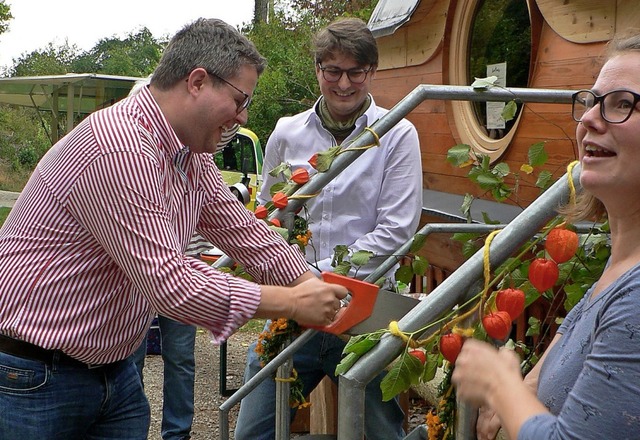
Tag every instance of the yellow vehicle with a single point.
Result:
(240, 163)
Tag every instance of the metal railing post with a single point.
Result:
(442, 299)
(319, 181)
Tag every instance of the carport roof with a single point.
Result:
(80, 93)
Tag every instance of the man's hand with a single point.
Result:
(316, 303)
(309, 301)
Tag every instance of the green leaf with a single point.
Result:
(537, 156)
(501, 192)
(361, 344)
(574, 293)
(405, 274)
(468, 249)
(417, 243)
(488, 220)
(419, 265)
(484, 83)
(342, 268)
(531, 294)
(501, 169)
(544, 179)
(339, 253)
(466, 206)
(459, 155)
(465, 236)
(360, 258)
(509, 110)
(487, 180)
(430, 367)
(404, 373)
(325, 158)
(275, 172)
(277, 187)
(534, 327)
(346, 363)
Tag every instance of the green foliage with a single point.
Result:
(50, 60)
(136, 55)
(288, 85)
(5, 16)
(23, 139)
(4, 212)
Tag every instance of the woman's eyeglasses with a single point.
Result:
(615, 106)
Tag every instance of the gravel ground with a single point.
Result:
(207, 386)
(8, 198)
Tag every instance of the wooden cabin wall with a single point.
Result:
(560, 64)
(557, 64)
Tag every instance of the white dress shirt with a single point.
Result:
(373, 205)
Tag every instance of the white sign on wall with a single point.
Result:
(494, 109)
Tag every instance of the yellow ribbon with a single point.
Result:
(375, 136)
(395, 331)
(294, 376)
(485, 259)
(572, 186)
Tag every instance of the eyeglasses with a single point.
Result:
(615, 106)
(245, 102)
(333, 74)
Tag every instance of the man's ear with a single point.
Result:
(196, 80)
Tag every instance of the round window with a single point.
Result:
(491, 38)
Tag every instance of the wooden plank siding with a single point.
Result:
(560, 64)
(566, 54)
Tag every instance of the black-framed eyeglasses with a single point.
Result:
(333, 74)
(245, 102)
(615, 106)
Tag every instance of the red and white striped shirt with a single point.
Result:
(95, 243)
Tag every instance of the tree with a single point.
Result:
(289, 85)
(136, 55)
(51, 60)
(5, 16)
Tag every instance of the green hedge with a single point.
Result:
(4, 212)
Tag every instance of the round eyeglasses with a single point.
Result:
(333, 74)
(615, 106)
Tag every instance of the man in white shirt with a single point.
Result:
(374, 205)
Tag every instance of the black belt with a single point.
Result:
(30, 351)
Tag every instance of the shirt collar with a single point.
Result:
(166, 135)
(370, 114)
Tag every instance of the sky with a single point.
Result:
(36, 23)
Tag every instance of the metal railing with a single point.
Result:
(449, 293)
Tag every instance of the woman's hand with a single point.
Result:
(485, 376)
(481, 369)
(488, 424)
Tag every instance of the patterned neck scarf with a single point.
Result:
(340, 130)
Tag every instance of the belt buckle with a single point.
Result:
(94, 366)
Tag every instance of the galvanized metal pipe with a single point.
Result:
(380, 128)
(443, 298)
(421, 93)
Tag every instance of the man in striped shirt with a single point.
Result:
(95, 245)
